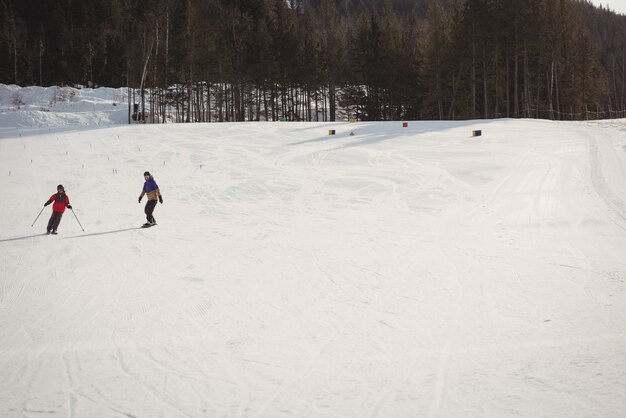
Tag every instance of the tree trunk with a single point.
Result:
(331, 98)
(143, 79)
(41, 49)
(15, 58)
(507, 85)
(473, 74)
(516, 75)
(485, 92)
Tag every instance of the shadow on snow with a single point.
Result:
(75, 236)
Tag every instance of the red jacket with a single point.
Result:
(61, 201)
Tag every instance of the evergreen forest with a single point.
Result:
(325, 60)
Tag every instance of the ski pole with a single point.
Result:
(38, 216)
(81, 227)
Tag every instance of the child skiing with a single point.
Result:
(152, 190)
(61, 201)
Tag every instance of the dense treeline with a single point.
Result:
(205, 60)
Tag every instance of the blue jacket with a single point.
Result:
(151, 189)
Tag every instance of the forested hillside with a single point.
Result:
(305, 59)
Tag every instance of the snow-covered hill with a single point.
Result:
(396, 272)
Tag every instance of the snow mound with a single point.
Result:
(61, 106)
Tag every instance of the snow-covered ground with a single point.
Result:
(399, 272)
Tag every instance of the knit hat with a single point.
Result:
(60, 186)
(147, 173)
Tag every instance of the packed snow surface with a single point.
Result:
(396, 272)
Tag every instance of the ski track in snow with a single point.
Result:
(397, 272)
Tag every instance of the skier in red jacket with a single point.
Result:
(61, 201)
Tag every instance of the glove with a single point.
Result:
(47, 203)
(160, 199)
(140, 199)
(69, 206)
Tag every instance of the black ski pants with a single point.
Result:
(54, 221)
(150, 205)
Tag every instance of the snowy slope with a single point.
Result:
(399, 272)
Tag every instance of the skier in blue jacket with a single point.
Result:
(151, 189)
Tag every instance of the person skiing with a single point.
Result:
(61, 201)
(151, 189)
